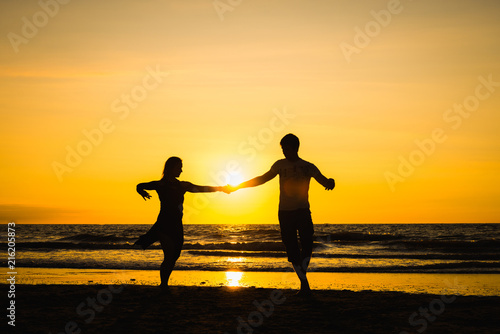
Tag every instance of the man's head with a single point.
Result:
(290, 146)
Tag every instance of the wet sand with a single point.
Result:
(458, 284)
(145, 309)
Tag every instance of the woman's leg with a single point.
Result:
(171, 247)
(149, 238)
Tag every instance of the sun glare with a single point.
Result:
(234, 179)
(233, 278)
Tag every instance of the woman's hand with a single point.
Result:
(144, 194)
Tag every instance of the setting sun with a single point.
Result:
(235, 179)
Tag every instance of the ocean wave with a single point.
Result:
(349, 237)
(237, 253)
(241, 246)
(267, 233)
(417, 248)
(95, 238)
(448, 245)
(72, 245)
(461, 257)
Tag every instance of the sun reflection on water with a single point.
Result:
(233, 278)
(235, 259)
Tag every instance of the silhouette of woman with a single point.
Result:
(168, 227)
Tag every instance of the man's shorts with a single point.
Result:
(290, 222)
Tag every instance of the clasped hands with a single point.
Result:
(228, 188)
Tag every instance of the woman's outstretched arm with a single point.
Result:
(193, 188)
(142, 187)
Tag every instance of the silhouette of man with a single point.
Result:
(294, 214)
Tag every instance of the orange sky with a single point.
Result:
(398, 101)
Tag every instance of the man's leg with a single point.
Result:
(306, 232)
(288, 224)
(302, 275)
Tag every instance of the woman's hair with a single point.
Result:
(170, 163)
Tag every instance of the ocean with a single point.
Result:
(347, 248)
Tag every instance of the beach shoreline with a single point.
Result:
(457, 284)
(188, 309)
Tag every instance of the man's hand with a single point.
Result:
(330, 184)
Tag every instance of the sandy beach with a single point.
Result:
(144, 309)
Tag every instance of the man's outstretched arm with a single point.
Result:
(329, 184)
(257, 181)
